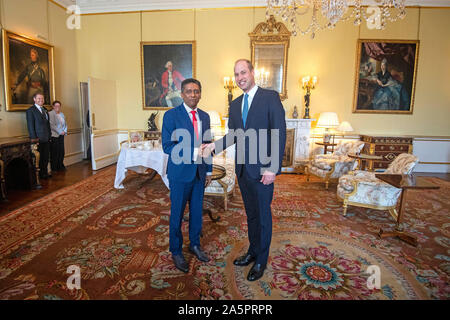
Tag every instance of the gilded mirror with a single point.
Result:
(269, 44)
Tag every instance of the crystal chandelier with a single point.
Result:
(334, 11)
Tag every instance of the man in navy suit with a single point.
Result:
(39, 130)
(258, 128)
(184, 129)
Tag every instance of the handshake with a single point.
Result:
(206, 149)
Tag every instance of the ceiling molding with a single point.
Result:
(108, 6)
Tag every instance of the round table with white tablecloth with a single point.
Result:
(140, 156)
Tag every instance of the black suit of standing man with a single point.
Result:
(259, 117)
(39, 130)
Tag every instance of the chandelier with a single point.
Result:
(334, 11)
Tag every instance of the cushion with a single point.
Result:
(229, 179)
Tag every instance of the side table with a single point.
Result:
(404, 182)
(325, 146)
(363, 158)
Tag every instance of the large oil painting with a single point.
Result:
(385, 76)
(164, 66)
(28, 69)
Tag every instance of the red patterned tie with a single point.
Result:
(194, 122)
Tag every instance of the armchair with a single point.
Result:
(333, 166)
(363, 189)
(223, 187)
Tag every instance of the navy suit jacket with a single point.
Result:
(183, 145)
(38, 124)
(266, 113)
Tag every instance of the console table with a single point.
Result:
(20, 153)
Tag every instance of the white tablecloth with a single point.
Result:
(140, 160)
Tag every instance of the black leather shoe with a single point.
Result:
(256, 272)
(180, 263)
(199, 253)
(244, 260)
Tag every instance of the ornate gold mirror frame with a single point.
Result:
(269, 44)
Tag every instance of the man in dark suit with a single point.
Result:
(39, 130)
(184, 129)
(258, 128)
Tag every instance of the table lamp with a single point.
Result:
(328, 120)
(215, 122)
(344, 127)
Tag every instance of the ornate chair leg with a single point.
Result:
(393, 213)
(326, 184)
(345, 206)
(307, 173)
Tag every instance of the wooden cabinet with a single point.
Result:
(17, 165)
(387, 147)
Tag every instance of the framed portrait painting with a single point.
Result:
(28, 69)
(164, 65)
(385, 76)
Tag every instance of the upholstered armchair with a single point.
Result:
(363, 189)
(335, 165)
(223, 187)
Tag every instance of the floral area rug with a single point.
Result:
(119, 241)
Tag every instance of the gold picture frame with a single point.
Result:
(28, 67)
(269, 44)
(385, 76)
(160, 91)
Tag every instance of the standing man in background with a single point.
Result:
(184, 129)
(39, 130)
(258, 128)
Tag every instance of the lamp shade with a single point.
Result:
(215, 118)
(328, 120)
(345, 126)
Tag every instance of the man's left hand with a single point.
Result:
(207, 181)
(268, 177)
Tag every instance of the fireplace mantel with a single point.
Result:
(301, 143)
(300, 148)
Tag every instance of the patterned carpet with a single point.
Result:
(119, 239)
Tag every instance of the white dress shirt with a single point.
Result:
(199, 127)
(251, 95)
(40, 110)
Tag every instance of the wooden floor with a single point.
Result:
(78, 172)
(61, 179)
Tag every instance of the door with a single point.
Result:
(103, 120)
(84, 93)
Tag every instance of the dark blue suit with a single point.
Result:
(266, 113)
(186, 178)
(39, 128)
